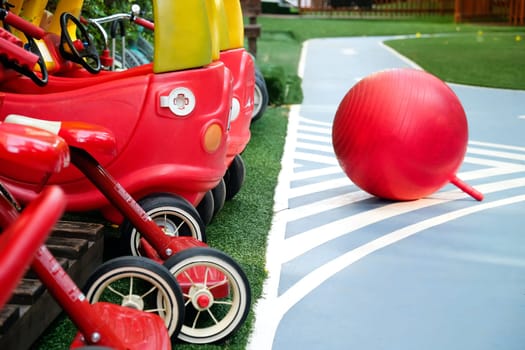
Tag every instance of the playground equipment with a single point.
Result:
(102, 324)
(170, 118)
(401, 134)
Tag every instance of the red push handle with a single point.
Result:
(24, 26)
(20, 241)
(17, 54)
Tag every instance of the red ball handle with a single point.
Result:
(471, 191)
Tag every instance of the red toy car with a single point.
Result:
(226, 23)
(170, 118)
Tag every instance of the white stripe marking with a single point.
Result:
(271, 307)
(498, 154)
(497, 145)
(318, 172)
(299, 244)
(304, 211)
(320, 130)
(330, 160)
(315, 147)
(319, 187)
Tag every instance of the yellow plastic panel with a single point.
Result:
(213, 18)
(33, 10)
(182, 35)
(235, 23)
(72, 6)
(17, 6)
(222, 23)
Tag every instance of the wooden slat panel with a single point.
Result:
(21, 325)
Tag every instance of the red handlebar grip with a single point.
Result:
(144, 23)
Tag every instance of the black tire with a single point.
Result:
(261, 97)
(139, 283)
(219, 197)
(174, 214)
(206, 208)
(215, 318)
(234, 177)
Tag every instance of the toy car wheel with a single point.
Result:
(206, 208)
(139, 283)
(174, 214)
(260, 96)
(234, 177)
(219, 197)
(216, 291)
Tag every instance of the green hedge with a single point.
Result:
(283, 88)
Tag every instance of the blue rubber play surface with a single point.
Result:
(351, 271)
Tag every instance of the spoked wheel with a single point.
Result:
(139, 283)
(234, 177)
(217, 294)
(173, 214)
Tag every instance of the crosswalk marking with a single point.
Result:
(310, 156)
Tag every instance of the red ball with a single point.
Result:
(400, 134)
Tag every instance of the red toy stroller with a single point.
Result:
(103, 324)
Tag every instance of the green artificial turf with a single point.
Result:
(484, 59)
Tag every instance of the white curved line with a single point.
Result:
(302, 60)
(272, 308)
(497, 145)
(308, 283)
(299, 244)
